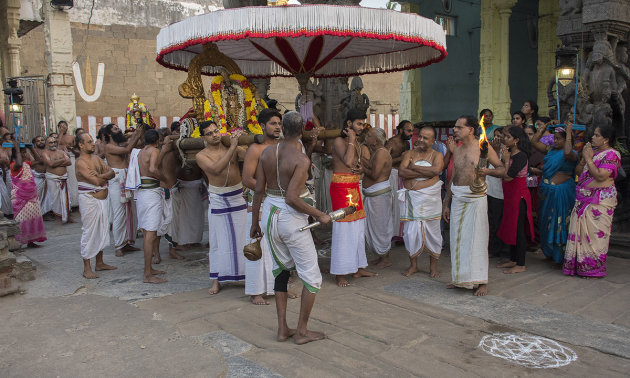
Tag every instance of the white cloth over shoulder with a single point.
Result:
(469, 238)
(421, 212)
(94, 221)
(58, 194)
(259, 278)
(227, 217)
(377, 202)
(188, 212)
(397, 225)
(73, 194)
(133, 173)
(291, 248)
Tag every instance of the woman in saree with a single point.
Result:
(556, 192)
(25, 202)
(596, 199)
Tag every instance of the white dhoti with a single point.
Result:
(421, 212)
(58, 195)
(291, 249)
(120, 209)
(188, 212)
(377, 200)
(149, 205)
(40, 181)
(73, 194)
(227, 217)
(469, 237)
(5, 192)
(347, 249)
(94, 221)
(259, 278)
(167, 215)
(396, 183)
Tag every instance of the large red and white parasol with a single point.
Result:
(307, 40)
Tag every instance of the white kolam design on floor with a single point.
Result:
(527, 350)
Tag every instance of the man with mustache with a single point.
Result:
(66, 144)
(397, 145)
(117, 149)
(57, 180)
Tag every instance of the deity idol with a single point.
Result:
(233, 104)
(136, 108)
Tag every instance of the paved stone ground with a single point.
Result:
(64, 325)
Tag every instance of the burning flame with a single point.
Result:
(483, 137)
(350, 202)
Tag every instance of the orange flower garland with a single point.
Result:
(250, 104)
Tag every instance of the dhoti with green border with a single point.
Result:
(290, 248)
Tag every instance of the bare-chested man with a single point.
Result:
(348, 235)
(57, 189)
(116, 149)
(39, 170)
(169, 167)
(149, 202)
(468, 214)
(258, 274)
(92, 176)
(66, 143)
(378, 197)
(227, 210)
(282, 173)
(397, 145)
(421, 201)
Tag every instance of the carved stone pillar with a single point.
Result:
(494, 89)
(411, 86)
(58, 45)
(547, 42)
(10, 43)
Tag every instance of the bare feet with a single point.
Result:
(363, 273)
(156, 258)
(291, 295)
(258, 300)
(481, 290)
(172, 254)
(508, 264)
(433, 267)
(308, 336)
(155, 271)
(515, 269)
(154, 280)
(411, 270)
(341, 281)
(130, 248)
(381, 262)
(70, 220)
(284, 334)
(215, 288)
(103, 266)
(89, 275)
(32, 245)
(451, 286)
(119, 253)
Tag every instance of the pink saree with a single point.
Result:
(591, 221)
(26, 210)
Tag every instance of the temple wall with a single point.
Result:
(120, 38)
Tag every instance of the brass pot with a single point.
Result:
(252, 251)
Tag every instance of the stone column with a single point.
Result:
(10, 43)
(58, 45)
(548, 12)
(494, 89)
(411, 86)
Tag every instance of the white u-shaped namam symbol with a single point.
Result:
(76, 70)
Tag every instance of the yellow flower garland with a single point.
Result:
(250, 104)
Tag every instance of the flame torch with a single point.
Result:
(478, 185)
(337, 214)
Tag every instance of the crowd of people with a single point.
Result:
(404, 189)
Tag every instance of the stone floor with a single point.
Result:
(64, 325)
